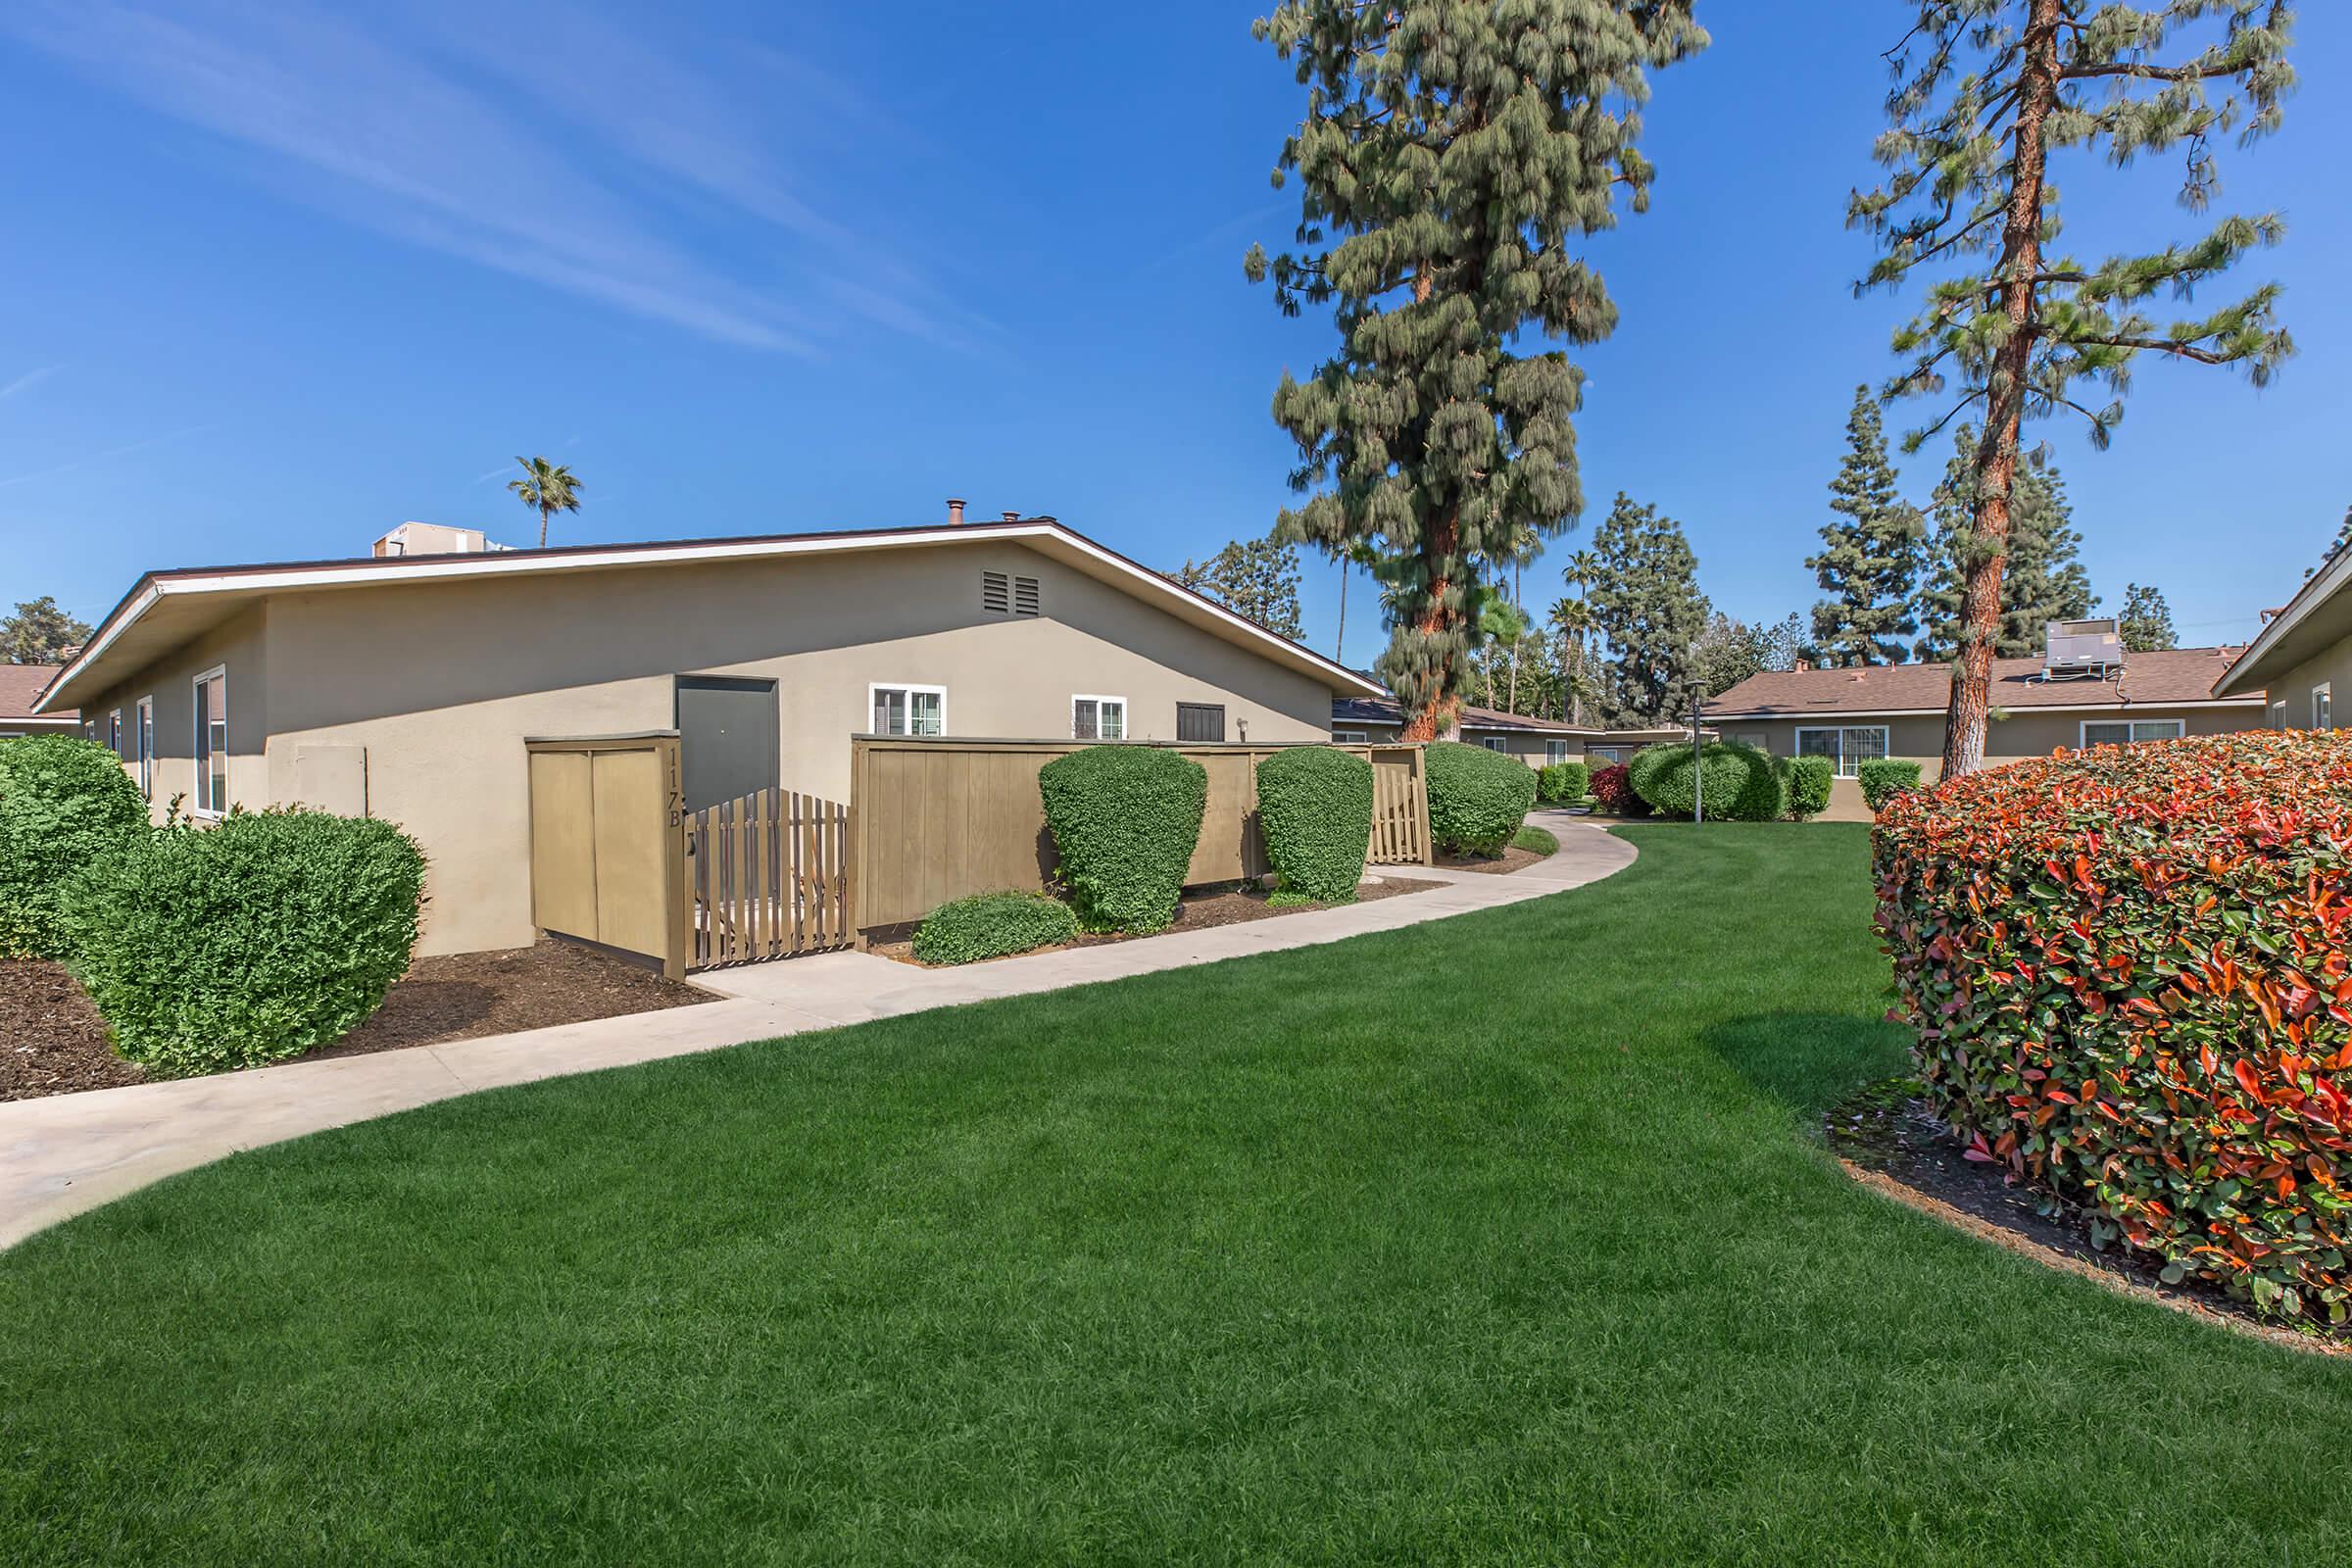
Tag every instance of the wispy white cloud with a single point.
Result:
(30, 378)
(123, 451)
(560, 161)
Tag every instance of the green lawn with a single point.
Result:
(1500, 1240)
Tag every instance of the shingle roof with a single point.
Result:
(1385, 710)
(2166, 679)
(21, 685)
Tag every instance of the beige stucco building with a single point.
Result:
(2303, 652)
(405, 687)
(1852, 714)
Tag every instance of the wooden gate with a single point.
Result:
(1400, 806)
(766, 877)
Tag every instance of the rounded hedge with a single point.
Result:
(2128, 974)
(1886, 777)
(1613, 791)
(64, 803)
(1125, 819)
(1563, 782)
(1476, 798)
(1736, 783)
(1809, 780)
(993, 925)
(1314, 812)
(246, 942)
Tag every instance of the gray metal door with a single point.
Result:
(727, 738)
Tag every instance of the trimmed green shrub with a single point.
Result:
(1736, 783)
(246, 942)
(1613, 790)
(1125, 819)
(1886, 777)
(1476, 798)
(993, 925)
(1563, 783)
(1809, 779)
(1315, 810)
(2126, 969)
(64, 803)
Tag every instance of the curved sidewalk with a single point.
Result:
(69, 1153)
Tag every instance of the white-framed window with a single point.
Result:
(908, 709)
(1849, 746)
(211, 742)
(1554, 753)
(114, 734)
(2278, 714)
(2323, 706)
(1492, 742)
(1604, 756)
(1098, 718)
(2128, 731)
(144, 742)
(1350, 737)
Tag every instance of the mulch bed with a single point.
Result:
(1512, 859)
(1889, 1139)
(52, 1041)
(1198, 912)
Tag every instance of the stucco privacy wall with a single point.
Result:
(443, 681)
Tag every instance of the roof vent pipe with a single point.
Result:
(1012, 517)
(955, 511)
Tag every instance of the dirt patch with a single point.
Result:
(1889, 1139)
(1198, 912)
(55, 1043)
(1512, 859)
(52, 1041)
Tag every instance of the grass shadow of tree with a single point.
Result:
(1808, 1062)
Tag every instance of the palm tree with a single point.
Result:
(1573, 620)
(547, 488)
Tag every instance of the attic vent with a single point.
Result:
(995, 592)
(1024, 596)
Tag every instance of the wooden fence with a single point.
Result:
(939, 819)
(605, 846)
(767, 876)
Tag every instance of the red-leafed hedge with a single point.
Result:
(1613, 791)
(2128, 972)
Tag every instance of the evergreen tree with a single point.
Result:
(1649, 610)
(39, 633)
(1452, 158)
(2045, 580)
(1984, 91)
(1256, 579)
(1727, 652)
(1871, 555)
(2146, 621)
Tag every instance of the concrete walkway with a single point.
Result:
(69, 1153)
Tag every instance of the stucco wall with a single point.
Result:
(241, 646)
(2333, 667)
(441, 683)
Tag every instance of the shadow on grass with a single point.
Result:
(1809, 1061)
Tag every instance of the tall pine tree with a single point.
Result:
(1985, 91)
(2045, 580)
(2147, 621)
(1648, 608)
(1871, 555)
(1452, 158)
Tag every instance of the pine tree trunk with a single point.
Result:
(1339, 646)
(2005, 401)
(1443, 716)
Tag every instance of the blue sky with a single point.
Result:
(281, 275)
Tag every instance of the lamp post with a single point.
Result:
(1698, 794)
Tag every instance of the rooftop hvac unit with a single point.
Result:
(2076, 650)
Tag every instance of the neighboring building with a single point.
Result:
(404, 686)
(2038, 705)
(433, 539)
(2303, 654)
(1536, 741)
(20, 688)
